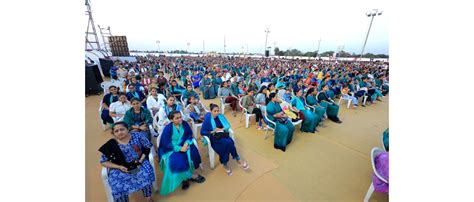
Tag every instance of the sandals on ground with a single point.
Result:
(228, 171)
(198, 179)
(245, 166)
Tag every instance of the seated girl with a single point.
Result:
(133, 93)
(139, 87)
(196, 78)
(240, 90)
(189, 93)
(262, 98)
(155, 101)
(230, 97)
(126, 156)
(310, 119)
(313, 102)
(287, 96)
(176, 90)
(345, 94)
(216, 127)
(332, 109)
(196, 109)
(248, 103)
(178, 156)
(207, 89)
(164, 112)
(284, 128)
(138, 119)
(118, 109)
(106, 102)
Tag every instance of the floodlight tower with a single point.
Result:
(372, 13)
(266, 38)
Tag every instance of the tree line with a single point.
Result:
(296, 52)
(293, 52)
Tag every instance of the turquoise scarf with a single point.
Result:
(223, 121)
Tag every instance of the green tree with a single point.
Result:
(276, 50)
(327, 53)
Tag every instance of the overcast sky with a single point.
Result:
(293, 24)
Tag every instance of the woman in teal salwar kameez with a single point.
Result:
(208, 91)
(217, 82)
(284, 128)
(311, 119)
(313, 102)
(179, 157)
(184, 74)
(332, 108)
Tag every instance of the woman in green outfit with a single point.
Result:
(332, 107)
(311, 119)
(313, 103)
(284, 128)
(217, 81)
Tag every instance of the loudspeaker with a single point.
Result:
(267, 53)
(93, 80)
(106, 64)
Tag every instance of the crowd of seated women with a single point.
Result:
(279, 93)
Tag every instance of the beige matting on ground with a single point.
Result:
(332, 165)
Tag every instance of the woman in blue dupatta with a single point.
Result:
(311, 119)
(216, 127)
(331, 106)
(207, 89)
(179, 157)
(284, 128)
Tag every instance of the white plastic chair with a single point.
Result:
(383, 144)
(116, 83)
(365, 96)
(268, 125)
(345, 97)
(105, 85)
(183, 102)
(211, 151)
(300, 122)
(108, 189)
(247, 115)
(374, 153)
(223, 104)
